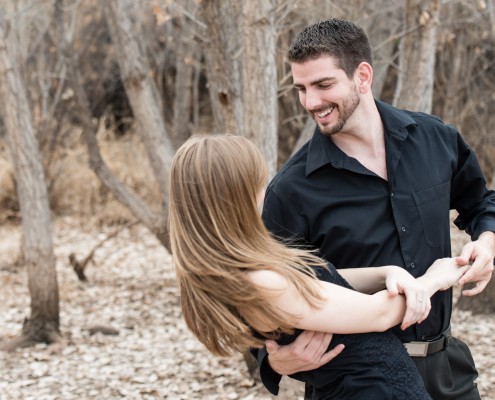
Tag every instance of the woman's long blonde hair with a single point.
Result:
(217, 235)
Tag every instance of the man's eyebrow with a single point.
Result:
(317, 82)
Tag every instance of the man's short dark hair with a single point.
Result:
(341, 39)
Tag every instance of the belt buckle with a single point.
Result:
(417, 349)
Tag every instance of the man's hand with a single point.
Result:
(307, 352)
(481, 252)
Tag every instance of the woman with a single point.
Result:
(239, 286)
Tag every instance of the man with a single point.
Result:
(374, 186)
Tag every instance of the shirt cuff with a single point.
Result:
(488, 226)
(269, 377)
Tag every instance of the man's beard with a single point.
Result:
(345, 112)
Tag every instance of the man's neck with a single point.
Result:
(364, 133)
(363, 139)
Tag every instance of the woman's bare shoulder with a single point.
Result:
(268, 280)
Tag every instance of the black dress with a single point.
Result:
(372, 365)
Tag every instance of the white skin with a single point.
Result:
(345, 110)
(346, 311)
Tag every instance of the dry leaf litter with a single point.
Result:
(124, 335)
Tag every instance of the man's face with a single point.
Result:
(326, 93)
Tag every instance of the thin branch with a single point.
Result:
(80, 266)
(188, 14)
(396, 36)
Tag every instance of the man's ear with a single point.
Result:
(364, 77)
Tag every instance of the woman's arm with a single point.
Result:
(371, 279)
(397, 281)
(348, 311)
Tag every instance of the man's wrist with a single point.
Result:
(488, 237)
(269, 365)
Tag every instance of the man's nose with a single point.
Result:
(312, 100)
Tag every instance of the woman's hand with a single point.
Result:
(418, 305)
(444, 273)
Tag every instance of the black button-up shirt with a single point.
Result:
(325, 199)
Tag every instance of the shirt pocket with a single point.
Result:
(433, 206)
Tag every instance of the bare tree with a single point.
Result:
(141, 90)
(222, 57)
(259, 78)
(43, 323)
(30, 34)
(152, 127)
(414, 89)
(188, 59)
(383, 38)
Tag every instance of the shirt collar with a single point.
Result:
(323, 151)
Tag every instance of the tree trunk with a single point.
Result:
(242, 77)
(142, 93)
(455, 85)
(141, 210)
(242, 71)
(456, 63)
(259, 78)
(222, 53)
(43, 324)
(187, 61)
(383, 38)
(414, 90)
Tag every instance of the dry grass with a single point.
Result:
(75, 189)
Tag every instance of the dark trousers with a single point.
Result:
(447, 375)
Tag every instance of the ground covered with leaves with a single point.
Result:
(124, 335)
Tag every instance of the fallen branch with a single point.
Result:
(80, 266)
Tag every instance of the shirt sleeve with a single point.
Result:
(281, 218)
(269, 378)
(469, 193)
(284, 223)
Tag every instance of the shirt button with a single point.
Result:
(413, 265)
(403, 228)
(392, 194)
(423, 337)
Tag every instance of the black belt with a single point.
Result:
(422, 349)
